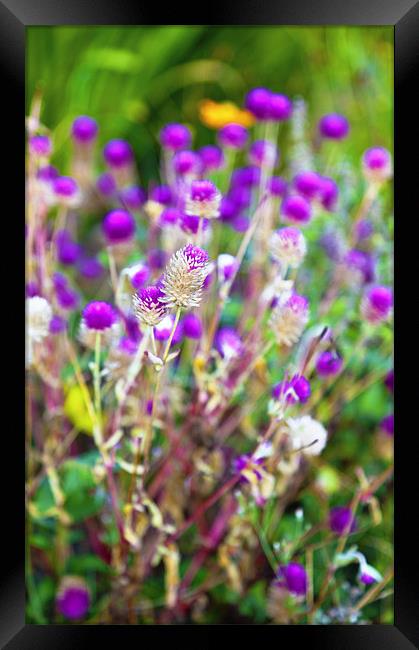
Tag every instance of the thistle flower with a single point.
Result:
(341, 519)
(334, 126)
(148, 305)
(84, 129)
(307, 434)
(203, 199)
(175, 137)
(376, 304)
(184, 276)
(289, 318)
(293, 577)
(38, 318)
(376, 164)
(73, 598)
(288, 246)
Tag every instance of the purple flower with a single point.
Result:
(258, 102)
(156, 259)
(246, 176)
(118, 226)
(140, 275)
(228, 343)
(277, 186)
(90, 268)
(297, 389)
(84, 129)
(40, 145)
(196, 257)
(161, 194)
(334, 126)
(47, 173)
(169, 217)
(367, 579)
(293, 577)
(32, 289)
(363, 229)
(227, 265)
(362, 262)
(240, 223)
(341, 519)
(190, 223)
(67, 297)
(106, 184)
(263, 153)
(186, 162)
(241, 196)
(133, 198)
(233, 136)
(228, 209)
(280, 107)
(212, 158)
(328, 193)
(389, 381)
(202, 190)
(65, 187)
(118, 153)
(332, 244)
(99, 315)
(296, 209)
(376, 164)
(68, 251)
(73, 598)
(387, 424)
(192, 326)
(57, 324)
(377, 303)
(308, 184)
(328, 364)
(175, 137)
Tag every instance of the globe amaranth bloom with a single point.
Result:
(57, 324)
(377, 165)
(289, 318)
(184, 277)
(192, 326)
(263, 153)
(328, 193)
(296, 390)
(246, 176)
(203, 199)
(288, 246)
(98, 316)
(342, 520)
(308, 184)
(175, 137)
(40, 146)
(334, 126)
(328, 364)
(293, 577)
(118, 153)
(138, 274)
(280, 107)
(362, 263)
(118, 226)
(66, 190)
(133, 197)
(73, 598)
(90, 267)
(307, 435)
(148, 305)
(229, 343)
(226, 265)
(38, 317)
(84, 129)
(186, 162)
(212, 158)
(106, 184)
(376, 304)
(296, 209)
(68, 251)
(163, 329)
(277, 186)
(233, 136)
(258, 102)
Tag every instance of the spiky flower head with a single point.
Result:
(148, 305)
(184, 277)
(289, 318)
(307, 434)
(288, 246)
(203, 199)
(38, 314)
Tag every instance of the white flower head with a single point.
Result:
(307, 434)
(288, 246)
(184, 277)
(38, 315)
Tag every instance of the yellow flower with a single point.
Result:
(215, 115)
(76, 411)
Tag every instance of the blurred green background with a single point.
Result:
(134, 79)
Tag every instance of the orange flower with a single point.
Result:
(215, 115)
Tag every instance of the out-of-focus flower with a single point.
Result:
(307, 434)
(233, 136)
(389, 380)
(296, 390)
(133, 197)
(226, 265)
(328, 364)
(215, 115)
(334, 126)
(277, 186)
(212, 158)
(175, 137)
(263, 153)
(190, 223)
(288, 246)
(362, 263)
(293, 577)
(289, 318)
(258, 102)
(377, 165)
(280, 107)
(118, 226)
(57, 324)
(184, 276)
(73, 598)
(328, 193)
(84, 129)
(296, 209)
(118, 153)
(387, 425)
(68, 251)
(341, 520)
(138, 274)
(192, 326)
(148, 305)
(228, 343)
(308, 184)
(186, 162)
(203, 199)
(90, 267)
(40, 146)
(106, 184)
(38, 318)
(376, 304)
(66, 190)
(98, 316)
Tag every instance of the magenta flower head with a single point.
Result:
(363, 229)
(133, 198)
(342, 520)
(377, 165)
(387, 425)
(99, 316)
(106, 184)
(212, 158)
(57, 324)
(240, 223)
(328, 193)
(73, 598)
(296, 209)
(65, 189)
(175, 137)
(40, 146)
(90, 268)
(118, 226)
(47, 173)
(277, 186)
(389, 381)
(361, 262)
(68, 251)
(334, 126)
(148, 305)
(233, 136)
(376, 304)
(263, 153)
(186, 162)
(192, 326)
(280, 107)
(203, 199)
(246, 177)
(139, 275)
(190, 223)
(258, 101)
(84, 129)
(228, 343)
(308, 184)
(328, 364)
(169, 217)
(118, 153)
(293, 577)
(162, 194)
(227, 265)
(296, 390)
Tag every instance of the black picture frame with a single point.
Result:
(15, 16)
